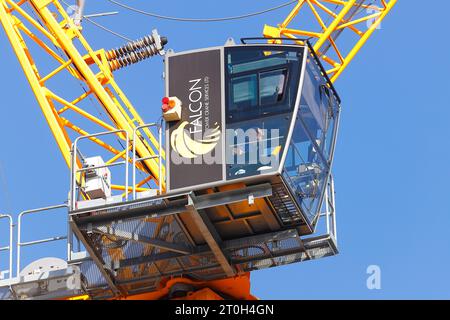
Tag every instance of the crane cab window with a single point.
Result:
(261, 82)
(272, 87)
(309, 155)
(264, 89)
(244, 92)
(261, 89)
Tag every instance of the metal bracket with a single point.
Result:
(130, 236)
(210, 235)
(98, 261)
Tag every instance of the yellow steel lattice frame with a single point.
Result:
(359, 17)
(46, 24)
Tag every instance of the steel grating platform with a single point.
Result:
(208, 235)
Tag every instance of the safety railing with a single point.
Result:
(9, 248)
(75, 186)
(21, 244)
(158, 156)
(328, 209)
(331, 208)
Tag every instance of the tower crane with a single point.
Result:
(181, 208)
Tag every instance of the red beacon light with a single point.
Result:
(165, 104)
(171, 107)
(165, 100)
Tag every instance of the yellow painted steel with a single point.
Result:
(51, 26)
(325, 36)
(12, 31)
(83, 297)
(46, 24)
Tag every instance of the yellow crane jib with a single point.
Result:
(359, 18)
(58, 36)
(244, 179)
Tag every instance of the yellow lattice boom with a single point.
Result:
(44, 24)
(337, 29)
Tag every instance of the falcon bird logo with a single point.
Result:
(189, 148)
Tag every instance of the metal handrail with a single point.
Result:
(74, 170)
(333, 207)
(159, 156)
(329, 212)
(9, 248)
(20, 244)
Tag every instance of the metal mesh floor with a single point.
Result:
(136, 245)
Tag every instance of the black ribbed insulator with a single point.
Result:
(133, 52)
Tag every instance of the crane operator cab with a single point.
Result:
(249, 137)
(253, 113)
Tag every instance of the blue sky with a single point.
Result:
(391, 165)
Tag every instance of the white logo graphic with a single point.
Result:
(189, 148)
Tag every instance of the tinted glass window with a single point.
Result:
(244, 91)
(261, 82)
(318, 107)
(262, 86)
(272, 87)
(307, 165)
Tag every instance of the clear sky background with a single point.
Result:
(391, 167)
